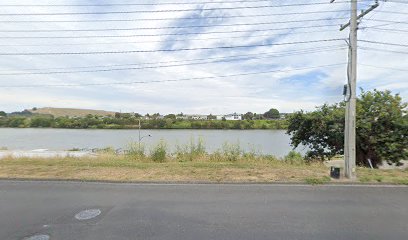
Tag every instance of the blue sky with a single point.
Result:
(287, 89)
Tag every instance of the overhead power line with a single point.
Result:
(390, 68)
(392, 12)
(280, 53)
(159, 41)
(171, 27)
(168, 34)
(170, 18)
(386, 21)
(396, 1)
(382, 50)
(389, 29)
(384, 43)
(168, 80)
(166, 10)
(173, 63)
(148, 4)
(166, 50)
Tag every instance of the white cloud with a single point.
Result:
(287, 91)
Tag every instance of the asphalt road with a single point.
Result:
(137, 211)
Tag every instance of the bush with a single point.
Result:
(159, 152)
(294, 157)
(381, 128)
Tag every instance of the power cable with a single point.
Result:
(157, 41)
(170, 27)
(170, 18)
(166, 34)
(383, 43)
(166, 50)
(166, 66)
(166, 10)
(169, 80)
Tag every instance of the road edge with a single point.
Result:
(282, 183)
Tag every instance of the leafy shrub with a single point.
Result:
(159, 152)
(381, 129)
(294, 157)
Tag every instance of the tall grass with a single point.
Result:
(136, 150)
(159, 152)
(195, 150)
(294, 158)
(232, 152)
(190, 151)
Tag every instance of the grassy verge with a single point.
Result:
(209, 167)
(206, 167)
(393, 176)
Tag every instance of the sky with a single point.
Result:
(198, 56)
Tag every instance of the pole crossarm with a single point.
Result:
(362, 14)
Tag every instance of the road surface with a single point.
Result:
(54, 210)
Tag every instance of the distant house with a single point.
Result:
(219, 117)
(232, 117)
(199, 117)
(283, 115)
(182, 117)
(192, 117)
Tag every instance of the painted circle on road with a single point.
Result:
(87, 214)
(38, 237)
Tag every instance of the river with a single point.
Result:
(275, 142)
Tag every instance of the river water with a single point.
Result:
(275, 142)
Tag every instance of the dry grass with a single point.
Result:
(394, 176)
(116, 168)
(71, 112)
(204, 168)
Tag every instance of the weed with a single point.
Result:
(294, 158)
(191, 151)
(107, 150)
(159, 152)
(232, 152)
(135, 151)
(317, 181)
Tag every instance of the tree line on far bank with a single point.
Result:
(126, 121)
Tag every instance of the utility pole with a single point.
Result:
(350, 116)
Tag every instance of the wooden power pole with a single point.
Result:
(350, 118)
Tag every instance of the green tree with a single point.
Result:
(211, 117)
(3, 114)
(170, 116)
(273, 113)
(248, 116)
(382, 129)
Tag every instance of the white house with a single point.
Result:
(232, 116)
(192, 117)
